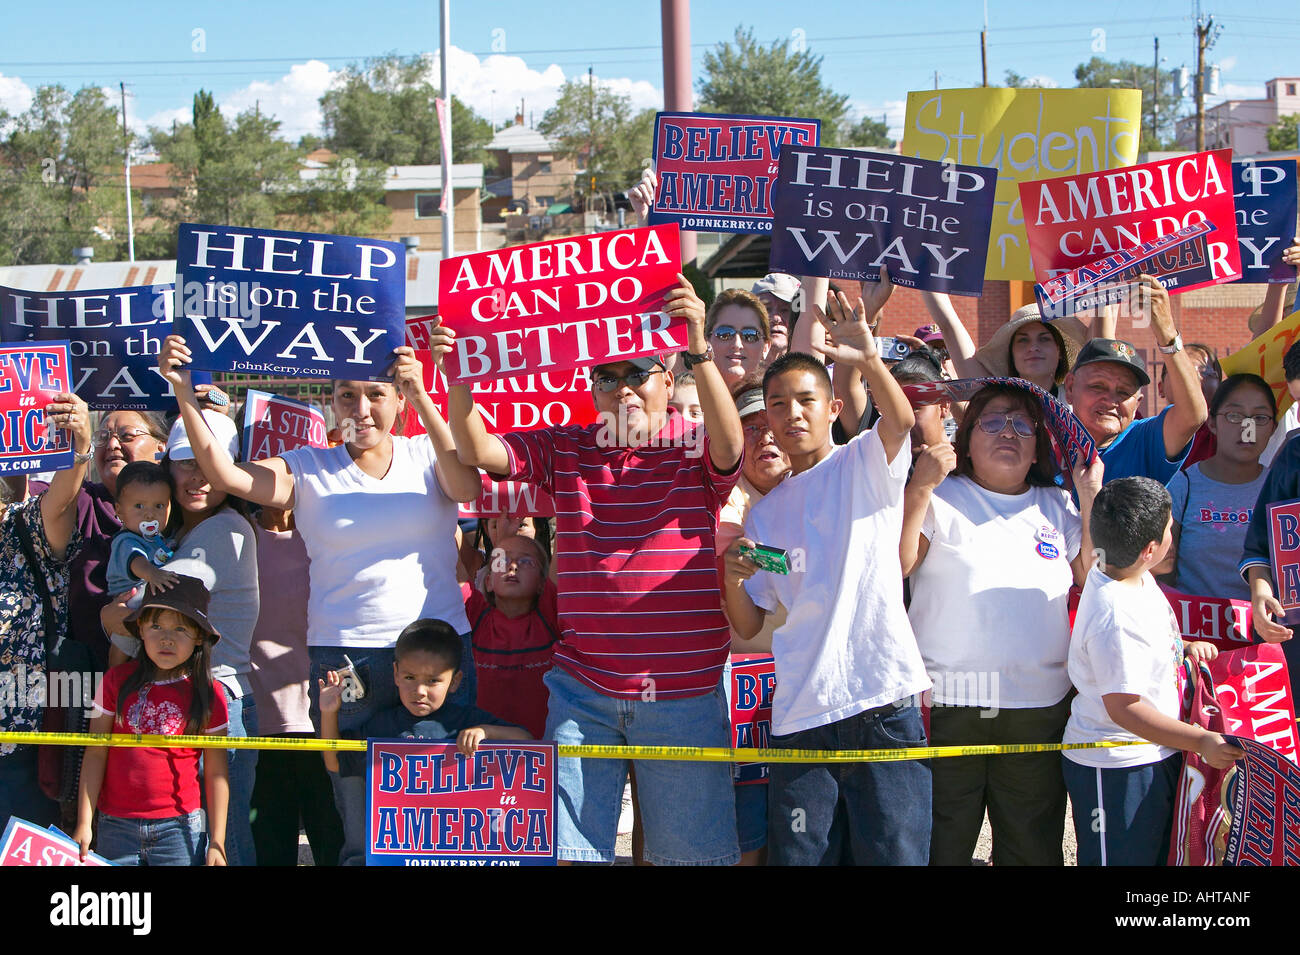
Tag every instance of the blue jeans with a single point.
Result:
(375, 670)
(243, 772)
(852, 813)
(20, 790)
(688, 810)
(178, 840)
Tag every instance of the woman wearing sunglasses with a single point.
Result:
(1213, 499)
(739, 334)
(992, 551)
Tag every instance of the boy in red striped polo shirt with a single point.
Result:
(643, 638)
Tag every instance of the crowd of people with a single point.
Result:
(930, 551)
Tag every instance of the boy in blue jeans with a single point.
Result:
(848, 670)
(1125, 651)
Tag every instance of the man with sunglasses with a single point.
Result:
(1104, 389)
(643, 639)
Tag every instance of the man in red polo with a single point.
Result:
(643, 638)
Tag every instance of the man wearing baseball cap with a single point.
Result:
(776, 291)
(1105, 386)
(643, 639)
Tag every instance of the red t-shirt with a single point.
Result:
(634, 544)
(1204, 447)
(511, 656)
(148, 783)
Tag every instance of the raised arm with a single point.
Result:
(850, 389)
(808, 333)
(726, 437)
(854, 343)
(1184, 385)
(933, 464)
(642, 195)
(1274, 307)
(59, 502)
(961, 348)
(1087, 481)
(458, 481)
(268, 482)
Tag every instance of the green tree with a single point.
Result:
(748, 77)
(1283, 135)
(599, 130)
(384, 111)
(60, 178)
(1015, 81)
(1125, 74)
(868, 132)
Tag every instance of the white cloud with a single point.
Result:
(892, 111)
(1042, 81)
(293, 99)
(1241, 91)
(15, 95)
(1227, 63)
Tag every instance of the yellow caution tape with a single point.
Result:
(692, 754)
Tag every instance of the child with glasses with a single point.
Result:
(1213, 499)
(514, 629)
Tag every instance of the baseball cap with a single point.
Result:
(1108, 349)
(928, 333)
(222, 428)
(750, 401)
(647, 363)
(782, 286)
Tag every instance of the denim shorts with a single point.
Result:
(751, 816)
(177, 840)
(688, 810)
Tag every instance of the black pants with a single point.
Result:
(1023, 793)
(292, 790)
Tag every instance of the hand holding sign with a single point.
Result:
(173, 356)
(682, 302)
(69, 413)
(1266, 610)
(642, 195)
(442, 342)
(1153, 302)
(1088, 478)
(408, 374)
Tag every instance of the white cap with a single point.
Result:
(779, 284)
(222, 428)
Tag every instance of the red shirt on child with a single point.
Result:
(144, 782)
(511, 656)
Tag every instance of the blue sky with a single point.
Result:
(284, 55)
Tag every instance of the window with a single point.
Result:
(546, 201)
(544, 167)
(426, 204)
(1290, 89)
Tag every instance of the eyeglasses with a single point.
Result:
(1236, 417)
(125, 436)
(755, 430)
(633, 379)
(725, 333)
(996, 423)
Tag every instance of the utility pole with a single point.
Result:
(1206, 32)
(591, 139)
(1155, 93)
(130, 222)
(984, 55)
(675, 30)
(448, 188)
(936, 79)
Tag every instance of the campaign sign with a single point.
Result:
(1219, 620)
(30, 376)
(717, 173)
(1265, 801)
(1284, 545)
(113, 336)
(753, 681)
(1177, 259)
(1024, 134)
(509, 499)
(1071, 443)
(561, 304)
(1265, 197)
(1253, 689)
(25, 843)
(1264, 357)
(1076, 220)
(417, 331)
(843, 214)
(427, 804)
(274, 424)
(264, 302)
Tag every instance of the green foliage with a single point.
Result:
(598, 129)
(748, 77)
(1099, 73)
(1284, 135)
(385, 111)
(60, 177)
(868, 132)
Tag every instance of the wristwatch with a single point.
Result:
(1174, 346)
(691, 359)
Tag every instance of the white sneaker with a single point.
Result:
(625, 815)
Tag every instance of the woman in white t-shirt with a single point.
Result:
(992, 552)
(378, 516)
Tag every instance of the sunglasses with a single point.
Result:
(996, 423)
(633, 379)
(725, 333)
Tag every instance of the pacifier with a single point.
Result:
(149, 528)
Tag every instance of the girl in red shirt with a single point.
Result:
(514, 631)
(150, 811)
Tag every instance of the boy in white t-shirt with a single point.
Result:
(1125, 651)
(848, 670)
